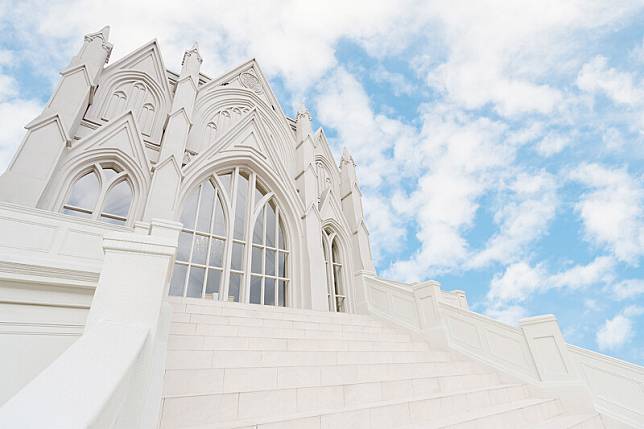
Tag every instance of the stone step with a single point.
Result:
(326, 409)
(220, 380)
(189, 359)
(577, 421)
(197, 342)
(255, 311)
(275, 321)
(235, 380)
(182, 328)
(517, 413)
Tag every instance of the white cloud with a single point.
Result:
(510, 315)
(504, 58)
(613, 210)
(398, 83)
(14, 115)
(459, 158)
(552, 144)
(6, 57)
(597, 77)
(614, 333)
(523, 217)
(344, 106)
(521, 280)
(386, 231)
(628, 288)
(618, 331)
(600, 270)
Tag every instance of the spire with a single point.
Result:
(303, 124)
(191, 62)
(346, 157)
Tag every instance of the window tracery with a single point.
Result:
(103, 192)
(335, 271)
(233, 243)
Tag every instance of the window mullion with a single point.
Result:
(229, 233)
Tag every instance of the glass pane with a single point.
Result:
(270, 225)
(335, 252)
(281, 293)
(234, 286)
(339, 303)
(237, 256)
(337, 280)
(255, 290)
(269, 269)
(220, 222)
(258, 230)
(216, 253)
(200, 249)
(118, 199)
(256, 264)
(214, 281)
(240, 209)
(85, 192)
(281, 264)
(178, 280)
(282, 236)
(109, 173)
(269, 291)
(195, 282)
(185, 242)
(226, 180)
(190, 209)
(205, 206)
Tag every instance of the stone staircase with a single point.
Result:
(249, 366)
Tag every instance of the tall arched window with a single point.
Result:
(103, 192)
(334, 272)
(233, 244)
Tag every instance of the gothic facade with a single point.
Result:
(268, 216)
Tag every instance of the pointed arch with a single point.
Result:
(212, 100)
(337, 258)
(78, 164)
(290, 206)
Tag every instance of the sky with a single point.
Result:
(499, 143)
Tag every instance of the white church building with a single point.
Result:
(176, 252)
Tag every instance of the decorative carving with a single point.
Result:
(223, 120)
(89, 38)
(250, 81)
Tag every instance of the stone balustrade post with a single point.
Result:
(427, 297)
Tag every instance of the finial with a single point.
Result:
(105, 31)
(194, 50)
(346, 156)
(103, 34)
(302, 111)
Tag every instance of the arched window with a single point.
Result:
(103, 192)
(334, 271)
(233, 245)
(118, 101)
(146, 118)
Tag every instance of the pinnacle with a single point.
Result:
(105, 31)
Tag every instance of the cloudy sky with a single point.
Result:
(500, 143)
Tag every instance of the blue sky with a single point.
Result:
(499, 143)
